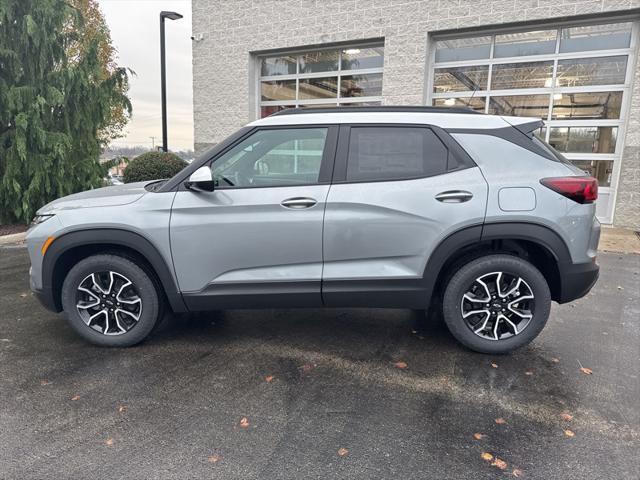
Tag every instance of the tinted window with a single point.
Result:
(270, 158)
(394, 153)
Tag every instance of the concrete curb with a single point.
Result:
(14, 238)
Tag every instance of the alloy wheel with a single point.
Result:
(108, 302)
(498, 305)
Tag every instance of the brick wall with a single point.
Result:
(223, 89)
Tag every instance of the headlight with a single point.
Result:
(41, 218)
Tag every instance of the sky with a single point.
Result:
(135, 33)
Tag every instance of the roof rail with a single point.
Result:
(381, 108)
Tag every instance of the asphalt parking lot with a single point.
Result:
(321, 394)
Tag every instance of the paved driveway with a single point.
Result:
(312, 385)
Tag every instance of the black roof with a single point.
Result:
(381, 108)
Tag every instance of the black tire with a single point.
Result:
(145, 289)
(462, 281)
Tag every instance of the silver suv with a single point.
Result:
(392, 207)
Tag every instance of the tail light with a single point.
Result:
(578, 189)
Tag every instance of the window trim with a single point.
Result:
(464, 161)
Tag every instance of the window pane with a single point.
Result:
(359, 58)
(361, 85)
(278, 66)
(460, 79)
(318, 88)
(583, 139)
(265, 111)
(586, 105)
(592, 71)
(463, 49)
(525, 43)
(476, 103)
(272, 158)
(388, 153)
(278, 90)
(321, 61)
(520, 105)
(595, 37)
(522, 75)
(601, 169)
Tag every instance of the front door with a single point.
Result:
(256, 240)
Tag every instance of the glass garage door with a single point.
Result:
(576, 78)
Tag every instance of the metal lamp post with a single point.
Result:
(163, 74)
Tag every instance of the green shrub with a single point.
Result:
(153, 166)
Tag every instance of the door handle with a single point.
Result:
(454, 196)
(298, 203)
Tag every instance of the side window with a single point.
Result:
(394, 153)
(270, 158)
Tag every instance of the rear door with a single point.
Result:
(256, 240)
(398, 191)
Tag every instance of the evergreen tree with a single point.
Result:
(56, 99)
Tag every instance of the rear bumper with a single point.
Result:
(576, 279)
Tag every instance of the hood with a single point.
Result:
(98, 197)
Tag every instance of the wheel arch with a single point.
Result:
(72, 247)
(538, 244)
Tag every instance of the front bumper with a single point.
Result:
(576, 279)
(44, 296)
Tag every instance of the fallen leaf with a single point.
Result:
(494, 365)
(109, 442)
(342, 451)
(401, 365)
(268, 378)
(479, 436)
(306, 368)
(214, 458)
(122, 408)
(45, 382)
(75, 398)
(516, 472)
(486, 456)
(555, 360)
(244, 422)
(500, 421)
(567, 417)
(586, 371)
(528, 372)
(501, 464)
(569, 433)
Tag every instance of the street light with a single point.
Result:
(163, 74)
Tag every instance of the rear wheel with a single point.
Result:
(496, 303)
(110, 301)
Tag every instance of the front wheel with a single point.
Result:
(110, 301)
(497, 303)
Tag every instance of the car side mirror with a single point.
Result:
(201, 180)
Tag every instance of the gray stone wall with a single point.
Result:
(224, 91)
